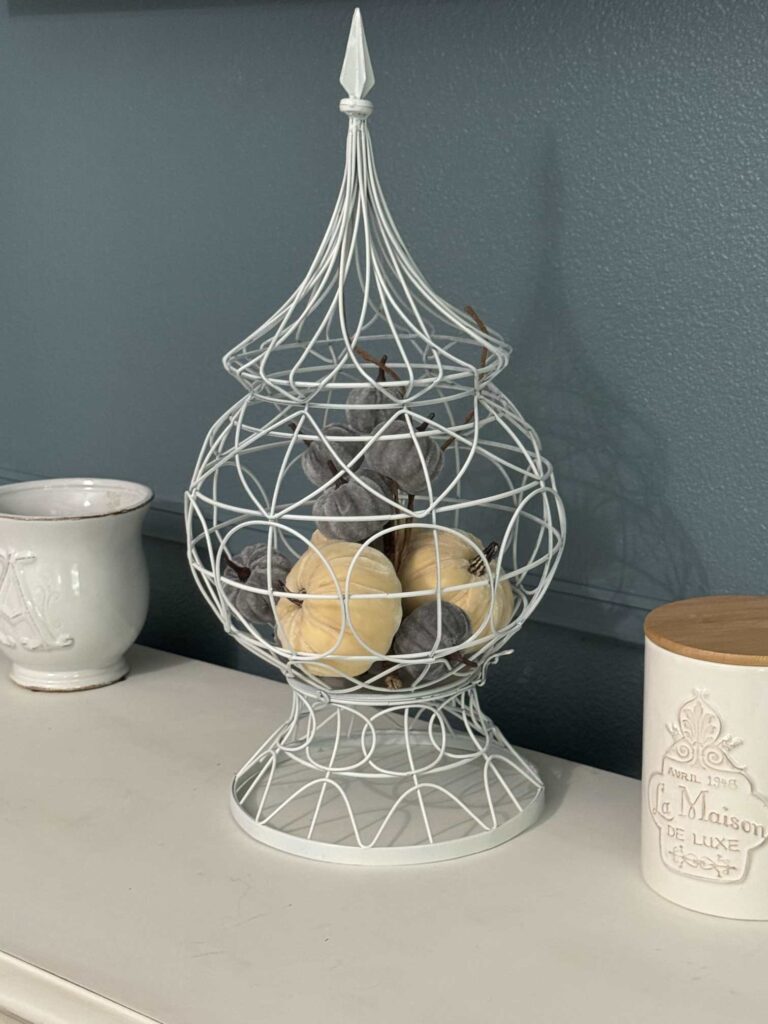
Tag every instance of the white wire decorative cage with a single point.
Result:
(328, 526)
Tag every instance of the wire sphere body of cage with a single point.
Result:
(375, 519)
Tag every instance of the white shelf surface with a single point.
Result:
(124, 879)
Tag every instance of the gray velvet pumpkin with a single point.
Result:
(334, 448)
(419, 634)
(351, 499)
(398, 458)
(366, 421)
(250, 567)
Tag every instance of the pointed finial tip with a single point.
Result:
(356, 72)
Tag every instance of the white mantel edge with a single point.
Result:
(33, 996)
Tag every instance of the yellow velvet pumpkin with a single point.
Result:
(460, 566)
(317, 624)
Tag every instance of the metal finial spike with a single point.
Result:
(356, 72)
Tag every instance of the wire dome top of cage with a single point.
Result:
(363, 297)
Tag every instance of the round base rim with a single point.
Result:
(330, 853)
(382, 856)
(64, 682)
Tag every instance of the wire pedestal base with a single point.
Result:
(399, 779)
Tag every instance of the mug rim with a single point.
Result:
(83, 483)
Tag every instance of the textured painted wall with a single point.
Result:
(592, 176)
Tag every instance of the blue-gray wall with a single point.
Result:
(592, 176)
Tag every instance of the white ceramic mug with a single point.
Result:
(74, 588)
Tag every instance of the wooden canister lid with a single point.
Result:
(728, 629)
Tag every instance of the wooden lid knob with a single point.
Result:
(727, 629)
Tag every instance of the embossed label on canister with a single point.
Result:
(709, 818)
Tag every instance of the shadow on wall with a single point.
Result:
(563, 691)
(574, 695)
(610, 463)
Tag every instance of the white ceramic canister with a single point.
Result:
(705, 755)
(74, 588)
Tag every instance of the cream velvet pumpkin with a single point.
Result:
(460, 566)
(317, 624)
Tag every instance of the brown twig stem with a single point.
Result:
(484, 354)
(462, 659)
(381, 363)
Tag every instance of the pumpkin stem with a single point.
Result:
(477, 565)
(296, 430)
(382, 374)
(393, 681)
(426, 423)
(241, 571)
(334, 470)
(280, 585)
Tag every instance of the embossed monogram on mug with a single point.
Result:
(26, 615)
(709, 818)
